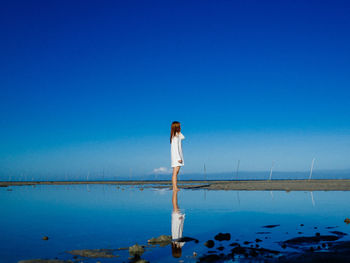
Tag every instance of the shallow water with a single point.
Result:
(109, 216)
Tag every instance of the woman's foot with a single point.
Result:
(176, 189)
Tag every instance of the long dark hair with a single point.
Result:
(175, 128)
(176, 250)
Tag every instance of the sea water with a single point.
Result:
(111, 217)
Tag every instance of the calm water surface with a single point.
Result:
(107, 216)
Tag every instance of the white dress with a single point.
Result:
(176, 150)
(177, 226)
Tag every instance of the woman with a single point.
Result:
(177, 226)
(177, 159)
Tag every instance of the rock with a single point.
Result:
(310, 240)
(44, 261)
(223, 236)
(220, 248)
(253, 253)
(186, 239)
(271, 226)
(301, 224)
(246, 242)
(235, 244)
(209, 244)
(141, 261)
(258, 240)
(93, 253)
(123, 248)
(45, 238)
(162, 240)
(210, 258)
(238, 250)
(318, 234)
(338, 233)
(136, 250)
(338, 253)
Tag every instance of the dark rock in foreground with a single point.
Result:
(161, 240)
(210, 258)
(310, 240)
(223, 237)
(186, 239)
(93, 253)
(209, 244)
(136, 250)
(235, 244)
(338, 233)
(44, 261)
(339, 253)
(271, 226)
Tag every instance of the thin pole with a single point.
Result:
(205, 176)
(273, 163)
(312, 198)
(237, 169)
(312, 167)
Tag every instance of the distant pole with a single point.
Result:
(206, 179)
(273, 163)
(312, 167)
(130, 175)
(237, 169)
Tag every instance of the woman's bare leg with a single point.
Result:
(174, 179)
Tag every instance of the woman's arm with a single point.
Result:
(178, 149)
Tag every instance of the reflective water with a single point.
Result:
(107, 216)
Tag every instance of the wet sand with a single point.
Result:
(250, 185)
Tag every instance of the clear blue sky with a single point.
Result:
(96, 84)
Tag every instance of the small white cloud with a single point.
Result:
(161, 170)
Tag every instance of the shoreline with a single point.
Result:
(247, 185)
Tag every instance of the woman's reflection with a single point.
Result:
(177, 225)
